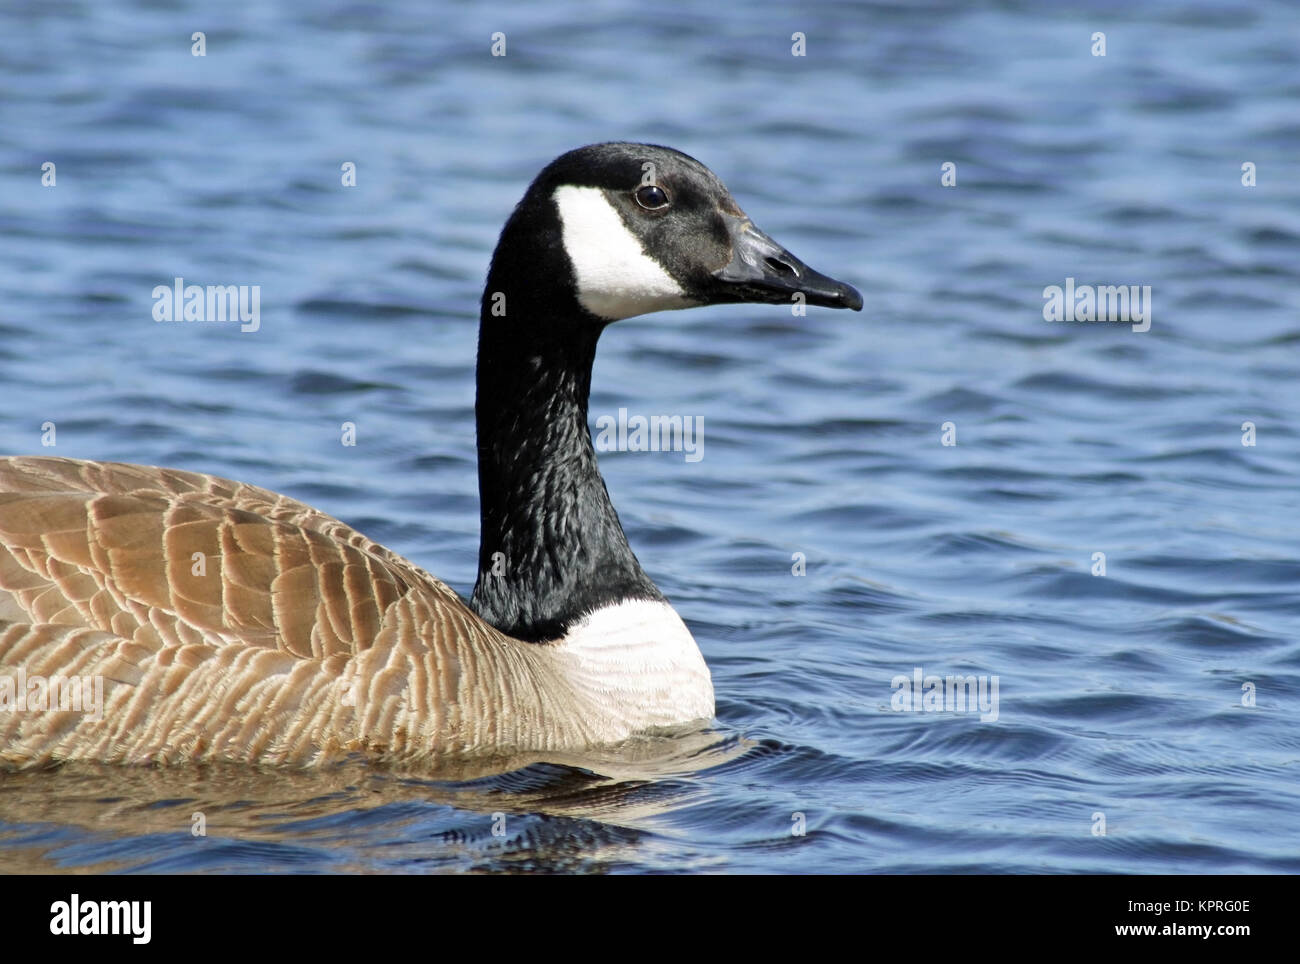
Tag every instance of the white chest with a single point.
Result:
(635, 665)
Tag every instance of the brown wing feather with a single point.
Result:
(229, 621)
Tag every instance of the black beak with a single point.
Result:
(762, 271)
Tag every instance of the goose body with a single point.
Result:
(155, 615)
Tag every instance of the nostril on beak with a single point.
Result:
(781, 268)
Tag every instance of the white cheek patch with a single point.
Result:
(614, 276)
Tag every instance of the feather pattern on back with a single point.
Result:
(229, 622)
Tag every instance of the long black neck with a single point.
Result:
(550, 547)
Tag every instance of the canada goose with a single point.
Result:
(228, 622)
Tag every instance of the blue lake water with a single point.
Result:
(1121, 695)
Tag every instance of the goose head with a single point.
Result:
(637, 228)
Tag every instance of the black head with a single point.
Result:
(646, 228)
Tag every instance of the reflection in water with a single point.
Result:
(563, 812)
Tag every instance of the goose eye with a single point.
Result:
(651, 197)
